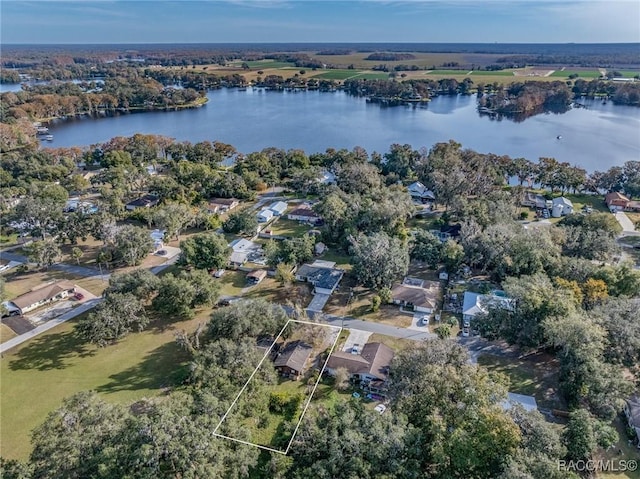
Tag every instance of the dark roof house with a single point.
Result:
(44, 294)
(292, 359)
(146, 201)
(324, 277)
(372, 363)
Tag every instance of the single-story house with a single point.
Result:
(146, 201)
(291, 360)
(419, 192)
(527, 402)
(417, 295)
(561, 207)
(303, 214)
(616, 201)
(370, 368)
(322, 274)
(222, 205)
(476, 303)
(48, 293)
(447, 232)
(265, 215)
(631, 410)
(240, 251)
(327, 178)
(256, 276)
(534, 200)
(278, 208)
(74, 204)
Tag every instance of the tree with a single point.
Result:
(584, 434)
(284, 274)
(140, 282)
(76, 253)
(44, 253)
(426, 247)
(341, 378)
(179, 295)
(173, 218)
(452, 254)
(291, 251)
(378, 259)
(113, 318)
(251, 318)
(336, 442)
(79, 439)
(619, 317)
(455, 406)
(132, 244)
(443, 331)
(205, 251)
(244, 223)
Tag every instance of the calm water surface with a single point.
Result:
(595, 138)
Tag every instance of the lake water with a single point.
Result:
(596, 137)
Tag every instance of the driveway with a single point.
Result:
(625, 222)
(356, 337)
(19, 324)
(317, 302)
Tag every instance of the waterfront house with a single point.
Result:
(561, 207)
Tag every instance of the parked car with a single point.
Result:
(380, 408)
(466, 323)
(79, 296)
(465, 332)
(161, 252)
(424, 321)
(355, 349)
(218, 273)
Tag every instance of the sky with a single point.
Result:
(256, 21)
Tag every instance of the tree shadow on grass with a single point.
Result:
(51, 351)
(164, 367)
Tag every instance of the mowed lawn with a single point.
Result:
(39, 374)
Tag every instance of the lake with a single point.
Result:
(596, 137)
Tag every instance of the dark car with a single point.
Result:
(79, 296)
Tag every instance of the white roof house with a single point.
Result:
(241, 249)
(278, 207)
(527, 402)
(476, 303)
(418, 191)
(265, 215)
(561, 207)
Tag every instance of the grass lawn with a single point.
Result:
(629, 452)
(296, 294)
(342, 260)
(8, 240)
(267, 64)
(372, 76)
(6, 333)
(232, 283)
(448, 72)
(19, 283)
(38, 374)
(630, 73)
(397, 344)
(536, 375)
(387, 314)
(289, 228)
(594, 201)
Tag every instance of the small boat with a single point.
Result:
(42, 130)
(559, 137)
(49, 137)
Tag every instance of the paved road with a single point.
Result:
(12, 343)
(403, 333)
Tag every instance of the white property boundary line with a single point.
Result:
(295, 431)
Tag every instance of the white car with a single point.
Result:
(380, 408)
(218, 273)
(465, 332)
